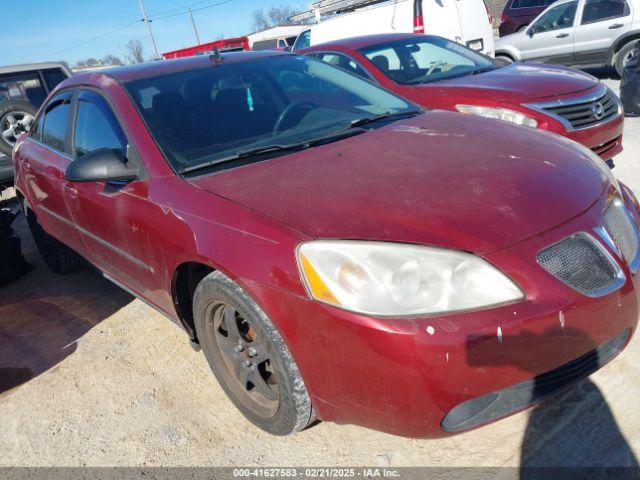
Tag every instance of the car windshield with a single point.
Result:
(429, 59)
(209, 115)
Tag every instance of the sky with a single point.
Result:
(51, 30)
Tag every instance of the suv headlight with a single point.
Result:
(390, 279)
(500, 114)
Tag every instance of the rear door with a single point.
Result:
(550, 38)
(44, 159)
(476, 30)
(601, 22)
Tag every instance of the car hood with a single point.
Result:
(441, 178)
(521, 82)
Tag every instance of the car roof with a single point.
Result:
(161, 67)
(25, 67)
(356, 43)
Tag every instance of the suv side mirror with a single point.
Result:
(104, 165)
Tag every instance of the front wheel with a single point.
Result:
(249, 357)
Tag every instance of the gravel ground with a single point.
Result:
(90, 376)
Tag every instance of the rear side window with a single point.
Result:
(600, 10)
(53, 77)
(22, 86)
(54, 123)
(304, 40)
(96, 126)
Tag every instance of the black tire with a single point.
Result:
(623, 56)
(219, 300)
(17, 108)
(58, 257)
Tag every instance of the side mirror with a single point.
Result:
(532, 31)
(104, 165)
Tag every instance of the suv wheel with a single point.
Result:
(59, 258)
(16, 117)
(624, 55)
(249, 357)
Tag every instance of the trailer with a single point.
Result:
(236, 44)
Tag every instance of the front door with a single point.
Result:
(110, 216)
(551, 37)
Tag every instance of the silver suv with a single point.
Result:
(580, 33)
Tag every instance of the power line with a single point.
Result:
(93, 39)
(186, 12)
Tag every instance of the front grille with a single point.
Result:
(582, 263)
(582, 114)
(622, 231)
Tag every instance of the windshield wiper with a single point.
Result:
(368, 120)
(255, 152)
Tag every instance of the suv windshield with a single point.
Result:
(205, 116)
(428, 59)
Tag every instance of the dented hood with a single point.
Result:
(441, 178)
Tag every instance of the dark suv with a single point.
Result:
(23, 88)
(517, 14)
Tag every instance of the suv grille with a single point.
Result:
(619, 226)
(583, 114)
(582, 263)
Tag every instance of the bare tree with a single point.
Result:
(276, 15)
(110, 59)
(134, 52)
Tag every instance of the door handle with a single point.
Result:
(616, 25)
(562, 35)
(71, 191)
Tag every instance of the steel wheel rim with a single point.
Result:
(246, 364)
(13, 124)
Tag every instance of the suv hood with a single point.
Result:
(442, 178)
(521, 82)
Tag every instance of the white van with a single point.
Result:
(463, 21)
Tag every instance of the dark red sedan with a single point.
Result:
(336, 252)
(441, 74)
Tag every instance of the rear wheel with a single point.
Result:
(16, 117)
(624, 55)
(58, 257)
(249, 357)
(504, 59)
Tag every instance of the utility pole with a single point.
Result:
(195, 29)
(146, 20)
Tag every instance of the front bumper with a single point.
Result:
(404, 376)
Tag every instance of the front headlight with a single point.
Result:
(390, 279)
(499, 113)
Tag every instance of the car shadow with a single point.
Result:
(43, 316)
(572, 434)
(603, 73)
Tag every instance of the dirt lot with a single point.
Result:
(90, 376)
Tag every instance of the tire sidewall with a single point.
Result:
(294, 412)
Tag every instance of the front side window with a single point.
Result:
(211, 114)
(55, 121)
(557, 18)
(96, 126)
(344, 62)
(430, 59)
(600, 10)
(23, 86)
